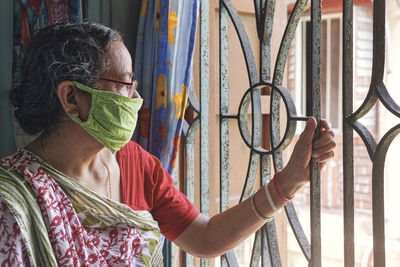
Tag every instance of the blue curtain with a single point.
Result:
(163, 66)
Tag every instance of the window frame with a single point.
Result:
(301, 80)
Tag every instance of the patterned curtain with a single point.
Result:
(163, 67)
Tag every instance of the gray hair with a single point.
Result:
(73, 51)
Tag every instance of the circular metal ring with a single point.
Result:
(290, 122)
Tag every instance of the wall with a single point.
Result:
(121, 15)
(7, 143)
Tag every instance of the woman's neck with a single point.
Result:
(69, 149)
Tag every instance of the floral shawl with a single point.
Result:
(60, 222)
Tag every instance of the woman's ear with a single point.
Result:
(70, 98)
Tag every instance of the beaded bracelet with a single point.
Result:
(278, 192)
(270, 201)
(256, 212)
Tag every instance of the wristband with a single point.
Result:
(278, 192)
(270, 201)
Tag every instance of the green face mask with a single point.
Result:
(112, 117)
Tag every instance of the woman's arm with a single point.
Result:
(210, 237)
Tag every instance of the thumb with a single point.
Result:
(307, 135)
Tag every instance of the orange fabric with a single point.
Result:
(147, 186)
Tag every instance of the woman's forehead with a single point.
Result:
(119, 59)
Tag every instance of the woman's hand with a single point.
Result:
(210, 237)
(297, 171)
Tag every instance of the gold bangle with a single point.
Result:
(256, 212)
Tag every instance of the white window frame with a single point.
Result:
(300, 95)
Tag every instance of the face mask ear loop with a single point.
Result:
(83, 88)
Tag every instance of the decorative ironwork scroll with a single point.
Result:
(265, 246)
(377, 151)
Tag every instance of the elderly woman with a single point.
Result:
(82, 193)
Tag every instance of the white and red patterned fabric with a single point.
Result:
(48, 219)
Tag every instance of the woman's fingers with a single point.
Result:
(323, 147)
(325, 157)
(306, 136)
(325, 138)
(325, 125)
(322, 150)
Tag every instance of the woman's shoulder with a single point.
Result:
(138, 158)
(134, 149)
(130, 147)
(12, 159)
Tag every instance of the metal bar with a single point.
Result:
(275, 109)
(386, 99)
(265, 169)
(328, 63)
(224, 109)
(257, 11)
(190, 171)
(265, 176)
(348, 146)
(288, 35)
(378, 67)
(250, 176)
(367, 138)
(265, 42)
(275, 129)
(255, 142)
(298, 230)
(378, 61)
(244, 42)
(243, 118)
(366, 106)
(255, 252)
(289, 133)
(231, 259)
(266, 258)
(300, 118)
(193, 101)
(270, 249)
(256, 117)
(228, 116)
(378, 205)
(204, 111)
(273, 248)
(315, 110)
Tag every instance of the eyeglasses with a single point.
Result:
(128, 89)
